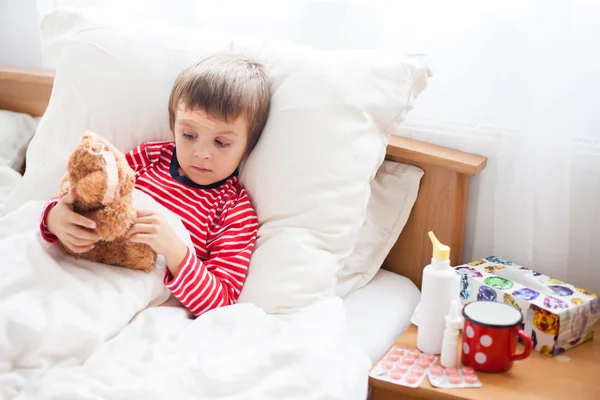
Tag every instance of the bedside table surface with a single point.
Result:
(573, 375)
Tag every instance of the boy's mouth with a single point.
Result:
(199, 169)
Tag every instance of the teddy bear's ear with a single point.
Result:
(88, 135)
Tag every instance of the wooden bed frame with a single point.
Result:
(441, 205)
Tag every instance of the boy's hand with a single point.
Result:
(70, 227)
(152, 229)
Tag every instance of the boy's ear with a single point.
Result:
(173, 134)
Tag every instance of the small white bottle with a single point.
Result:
(439, 287)
(454, 321)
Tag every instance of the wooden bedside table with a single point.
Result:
(573, 375)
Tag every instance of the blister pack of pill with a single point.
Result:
(402, 366)
(448, 378)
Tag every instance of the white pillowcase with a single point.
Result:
(16, 130)
(393, 194)
(309, 176)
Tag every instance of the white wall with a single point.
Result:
(19, 33)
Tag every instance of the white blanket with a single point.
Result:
(72, 329)
(9, 178)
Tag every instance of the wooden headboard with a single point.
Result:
(441, 205)
(25, 90)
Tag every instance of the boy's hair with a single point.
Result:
(226, 86)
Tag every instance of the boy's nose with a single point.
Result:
(202, 153)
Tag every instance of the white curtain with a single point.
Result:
(515, 81)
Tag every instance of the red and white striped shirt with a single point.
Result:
(219, 218)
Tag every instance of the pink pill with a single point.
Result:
(415, 353)
(398, 350)
(428, 356)
(408, 360)
(451, 371)
(423, 363)
(468, 371)
(471, 378)
(401, 368)
(412, 378)
(417, 370)
(454, 379)
(437, 370)
(396, 375)
(393, 357)
(387, 364)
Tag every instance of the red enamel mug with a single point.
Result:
(490, 332)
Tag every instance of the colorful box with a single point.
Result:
(557, 315)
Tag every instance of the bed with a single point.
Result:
(381, 310)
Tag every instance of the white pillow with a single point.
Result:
(393, 194)
(16, 130)
(309, 175)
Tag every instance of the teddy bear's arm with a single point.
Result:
(65, 186)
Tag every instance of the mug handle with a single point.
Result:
(527, 341)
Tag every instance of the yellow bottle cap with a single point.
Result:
(440, 251)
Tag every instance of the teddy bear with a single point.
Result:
(103, 183)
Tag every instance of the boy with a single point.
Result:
(217, 110)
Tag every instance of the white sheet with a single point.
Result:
(66, 331)
(379, 312)
(9, 178)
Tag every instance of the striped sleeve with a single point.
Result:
(202, 286)
(45, 232)
(144, 156)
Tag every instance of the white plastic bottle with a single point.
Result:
(439, 287)
(454, 320)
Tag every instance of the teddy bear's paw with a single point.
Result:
(140, 256)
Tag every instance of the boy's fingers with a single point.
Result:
(144, 213)
(80, 242)
(70, 198)
(80, 249)
(142, 228)
(149, 219)
(82, 221)
(141, 238)
(81, 233)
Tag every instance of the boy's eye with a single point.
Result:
(221, 143)
(189, 136)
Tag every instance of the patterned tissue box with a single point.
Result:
(557, 315)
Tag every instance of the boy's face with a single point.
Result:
(208, 150)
